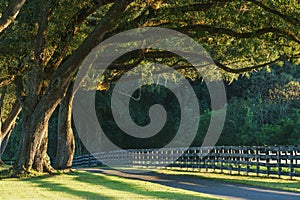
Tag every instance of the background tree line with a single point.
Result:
(263, 109)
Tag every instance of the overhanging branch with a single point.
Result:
(294, 21)
(7, 81)
(153, 55)
(11, 13)
(227, 31)
(66, 38)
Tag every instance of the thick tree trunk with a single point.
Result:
(33, 147)
(40, 104)
(41, 160)
(66, 142)
(36, 112)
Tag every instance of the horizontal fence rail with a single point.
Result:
(273, 160)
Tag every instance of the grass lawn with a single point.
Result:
(273, 183)
(85, 185)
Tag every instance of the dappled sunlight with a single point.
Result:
(130, 187)
(85, 185)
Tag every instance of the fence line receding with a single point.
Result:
(273, 160)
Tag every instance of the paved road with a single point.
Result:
(215, 188)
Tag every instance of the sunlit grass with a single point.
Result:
(267, 182)
(85, 185)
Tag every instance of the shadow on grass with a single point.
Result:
(211, 187)
(104, 181)
(4, 171)
(57, 187)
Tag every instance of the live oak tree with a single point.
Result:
(46, 45)
(41, 97)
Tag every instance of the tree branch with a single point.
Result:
(2, 94)
(190, 8)
(227, 31)
(11, 119)
(64, 74)
(42, 33)
(247, 69)
(7, 81)
(294, 21)
(120, 64)
(11, 13)
(68, 35)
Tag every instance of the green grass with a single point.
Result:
(266, 182)
(227, 166)
(85, 185)
(4, 170)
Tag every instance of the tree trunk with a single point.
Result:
(33, 146)
(66, 142)
(41, 160)
(1, 152)
(39, 105)
(3, 143)
(7, 127)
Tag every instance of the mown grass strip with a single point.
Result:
(85, 185)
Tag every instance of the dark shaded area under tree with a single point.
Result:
(262, 110)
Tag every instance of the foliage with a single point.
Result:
(230, 31)
(259, 117)
(9, 99)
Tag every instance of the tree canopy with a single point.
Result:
(240, 36)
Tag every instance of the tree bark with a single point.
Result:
(7, 127)
(1, 152)
(3, 143)
(41, 161)
(11, 13)
(65, 138)
(41, 104)
(33, 146)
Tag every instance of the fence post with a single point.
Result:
(206, 160)
(222, 158)
(214, 158)
(257, 161)
(279, 161)
(241, 155)
(201, 158)
(291, 156)
(247, 161)
(267, 161)
(194, 158)
(231, 158)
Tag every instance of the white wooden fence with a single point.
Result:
(272, 160)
